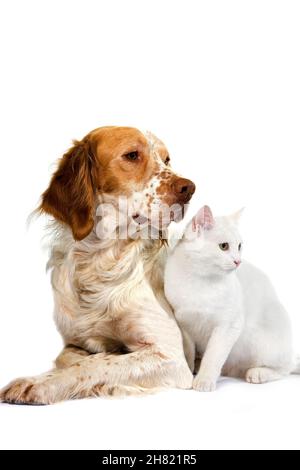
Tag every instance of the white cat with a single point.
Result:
(228, 312)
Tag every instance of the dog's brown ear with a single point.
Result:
(70, 197)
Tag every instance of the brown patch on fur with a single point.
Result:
(165, 174)
(27, 391)
(97, 389)
(70, 196)
(111, 145)
(163, 188)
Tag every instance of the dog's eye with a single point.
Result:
(167, 160)
(240, 247)
(132, 156)
(224, 246)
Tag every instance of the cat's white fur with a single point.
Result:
(229, 314)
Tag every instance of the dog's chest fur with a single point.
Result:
(102, 290)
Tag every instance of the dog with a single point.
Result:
(119, 331)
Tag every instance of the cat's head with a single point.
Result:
(216, 241)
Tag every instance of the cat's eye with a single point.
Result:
(224, 246)
(240, 247)
(132, 156)
(167, 160)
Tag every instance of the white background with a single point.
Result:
(219, 82)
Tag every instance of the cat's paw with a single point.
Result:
(202, 384)
(261, 375)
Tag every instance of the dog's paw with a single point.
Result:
(25, 391)
(204, 384)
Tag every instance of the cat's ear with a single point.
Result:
(203, 219)
(236, 217)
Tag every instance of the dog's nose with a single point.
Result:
(184, 189)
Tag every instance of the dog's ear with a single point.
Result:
(70, 197)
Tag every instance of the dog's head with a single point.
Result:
(114, 162)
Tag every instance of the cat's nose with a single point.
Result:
(237, 263)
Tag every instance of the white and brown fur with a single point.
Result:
(119, 332)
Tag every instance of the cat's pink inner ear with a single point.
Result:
(204, 218)
(194, 224)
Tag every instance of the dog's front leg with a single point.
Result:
(69, 356)
(100, 374)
